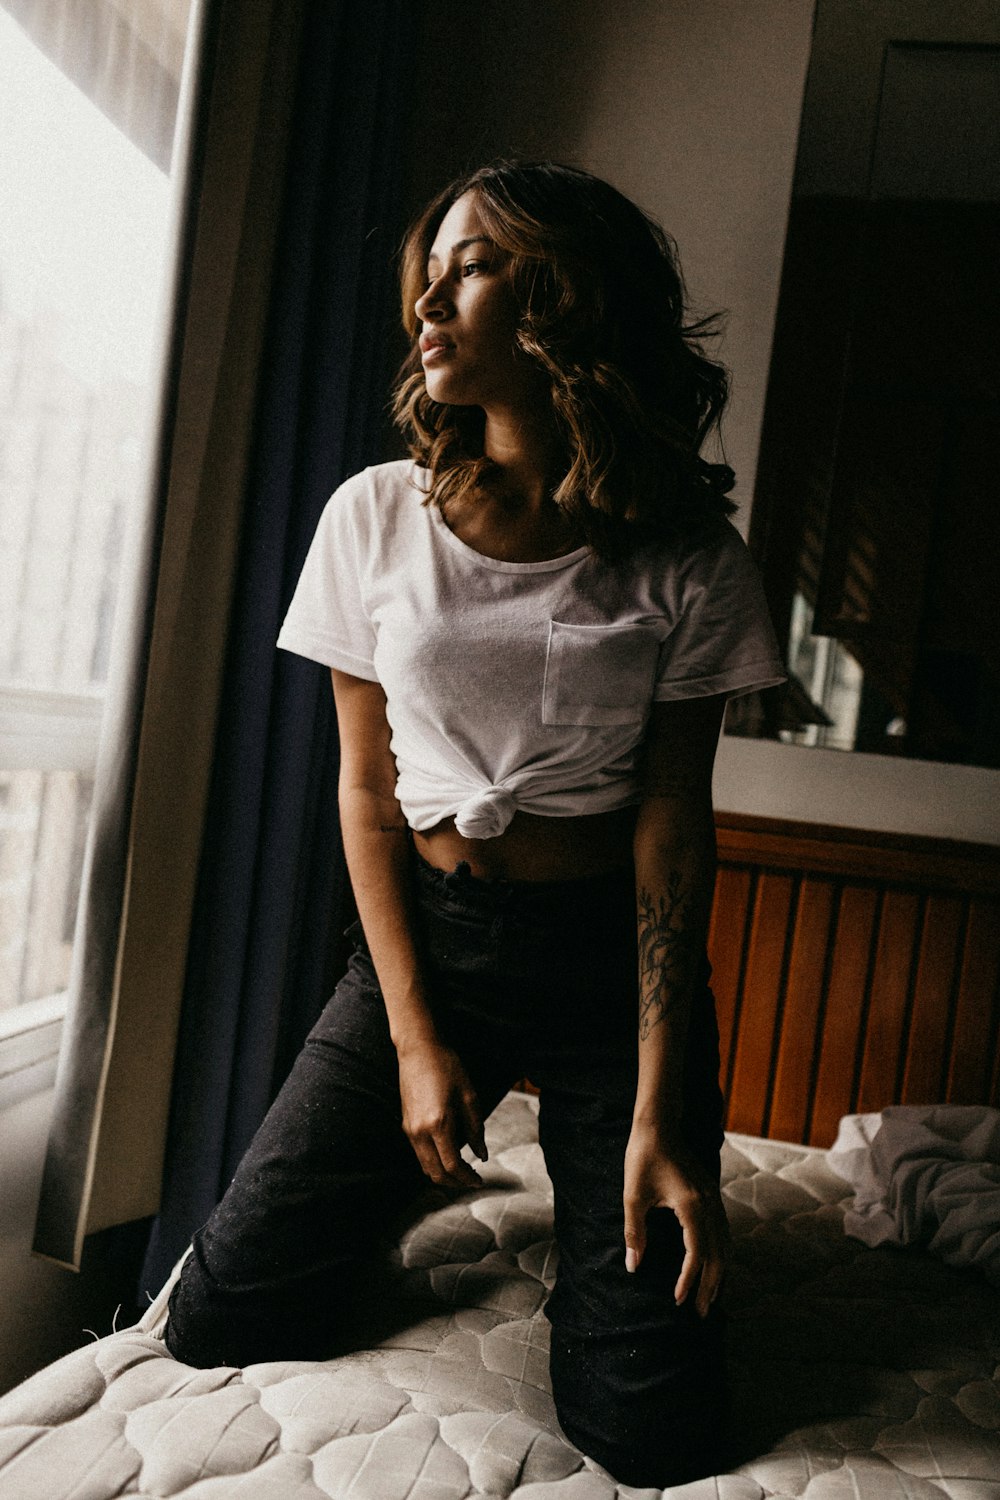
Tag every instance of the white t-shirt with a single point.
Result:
(519, 684)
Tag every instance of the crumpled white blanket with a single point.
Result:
(925, 1175)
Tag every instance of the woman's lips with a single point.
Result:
(432, 348)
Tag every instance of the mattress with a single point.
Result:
(857, 1373)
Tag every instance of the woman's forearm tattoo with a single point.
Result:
(666, 950)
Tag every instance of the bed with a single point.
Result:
(858, 1373)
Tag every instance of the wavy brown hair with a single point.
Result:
(634, 395)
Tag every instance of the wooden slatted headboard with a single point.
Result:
(852, 971)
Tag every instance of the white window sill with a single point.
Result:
(30, 1035)
(48, 730)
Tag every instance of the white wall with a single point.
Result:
(692, 108)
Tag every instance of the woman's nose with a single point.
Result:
(432, 304)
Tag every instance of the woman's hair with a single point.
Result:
(602, 314)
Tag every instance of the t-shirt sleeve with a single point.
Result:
(723, 640)
(327, 620)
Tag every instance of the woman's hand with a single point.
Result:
(661, 1173)
(440, 1113)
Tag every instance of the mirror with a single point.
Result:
(876, 517)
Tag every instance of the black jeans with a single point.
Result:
(526, 979)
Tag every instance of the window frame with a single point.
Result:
(41, 729)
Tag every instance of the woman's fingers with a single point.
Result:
(457, 1171)
(690, 1267)
(462, 1124)
(703, 1224)
(705, 1231)
(635, 1233)
(438, 1152)
(444, 1167)
(474, 1131)
(440, 1113)
(661, 1173)
(710, 1285)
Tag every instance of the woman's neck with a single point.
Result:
(524, 446)
(513, 516)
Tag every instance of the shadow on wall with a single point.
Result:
(504, 84)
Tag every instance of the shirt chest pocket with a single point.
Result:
(598, 674)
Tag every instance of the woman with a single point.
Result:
(532, 631)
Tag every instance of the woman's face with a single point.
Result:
(469, 318)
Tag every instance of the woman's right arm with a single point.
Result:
(440, 1109)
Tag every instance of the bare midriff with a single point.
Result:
(535, 848)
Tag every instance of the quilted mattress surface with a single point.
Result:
(858, 1374)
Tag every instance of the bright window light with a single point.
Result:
(84, 238)
(84, 223)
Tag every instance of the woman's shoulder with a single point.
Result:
(377, 501)
(711, 544)
(399, 481)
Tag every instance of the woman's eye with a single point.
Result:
(472, 266)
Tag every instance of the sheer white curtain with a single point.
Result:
(126, 56)
(204, 95)
(88, 107)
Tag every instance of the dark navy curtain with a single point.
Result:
(273, 892)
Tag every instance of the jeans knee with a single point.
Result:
(187, 1350)
(651, 1407)
(207, 1336)
(211, 1325)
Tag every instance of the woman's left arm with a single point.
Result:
(675, 874)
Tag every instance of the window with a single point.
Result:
(84, 245)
